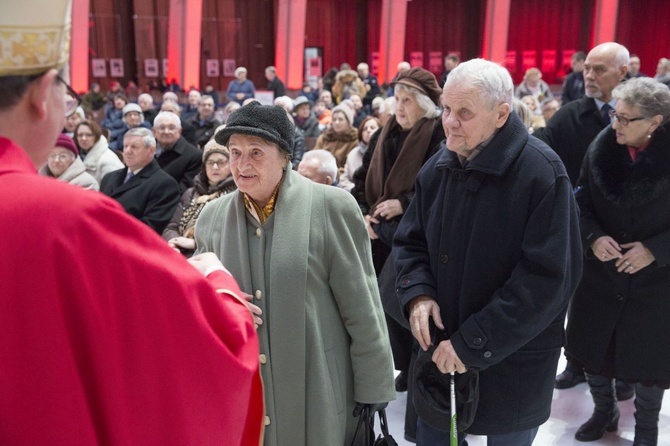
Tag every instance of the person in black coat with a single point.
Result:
(142, 188)
(275, 84)
(204, 123)
(489, 249)
(618, 325)
(174, 154)
(573, 88)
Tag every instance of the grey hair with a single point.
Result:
(148, 138)
(168, 115)
(646, 93)
(423, 101)
(177, 107)
(170, 96)
(284, 102)
(239, 70)
(492, 80)
(524, 113)
(326, 160)
(146, 96)
(387, 107)
(204, 97)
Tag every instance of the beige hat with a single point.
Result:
(34, 36)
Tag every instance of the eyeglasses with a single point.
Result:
(72, 103)
(60, 157)
(218, 163)
(624, 121)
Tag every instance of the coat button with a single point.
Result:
(477, 341)
(487, 354)
(405, 282)
(259, 232)
(619, 297)
(444, 258)
(267, 420)
(262, 358)
(258, 294)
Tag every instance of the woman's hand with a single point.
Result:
(388, 209)
(180, 243)
(606, 249)
(369, 221)
(636, 258)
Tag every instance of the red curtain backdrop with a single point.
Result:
(643, 26)
(546, 27)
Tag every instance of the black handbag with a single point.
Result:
(367, 420)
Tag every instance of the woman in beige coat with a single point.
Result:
(300, 250)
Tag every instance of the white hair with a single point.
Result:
(492, 80)
(239, 70)
(326, 161)
(284, 102)
(170, 96)
(169, 116)
(148, 138)
(387, 107)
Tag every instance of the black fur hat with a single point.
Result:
(269, 122)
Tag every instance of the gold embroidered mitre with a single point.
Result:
(34, 36)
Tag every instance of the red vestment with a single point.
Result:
(108, 336)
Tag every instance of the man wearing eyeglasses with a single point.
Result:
(108, 335)
(571, 131)
(174, 154)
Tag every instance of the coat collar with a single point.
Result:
(92, 159)
(134, 182)
(627, 183)
(498, 155)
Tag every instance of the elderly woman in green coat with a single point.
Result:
(300, 251)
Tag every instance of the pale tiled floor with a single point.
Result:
(570, 408)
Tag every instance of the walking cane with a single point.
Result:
(453, 429)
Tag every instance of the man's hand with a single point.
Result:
(179, 243)
(421, 309)
(388, 209)
(446, 359)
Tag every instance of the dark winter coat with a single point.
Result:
(182, 162)
(497, 245)
(629, 202)
(570, 131)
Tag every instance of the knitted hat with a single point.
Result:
(131, 107)
(346, 107)
(66, 142)
(421, 79)
(269, 122)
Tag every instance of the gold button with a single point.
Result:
(258, 294)
(267, 420)
(259, 232)
(262, 358)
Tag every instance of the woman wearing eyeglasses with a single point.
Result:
(94, 150)
(213, 181)
(618, 324)
(64, 163)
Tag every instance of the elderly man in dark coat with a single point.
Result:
(142, 188)
(176, 156)
(489, 249)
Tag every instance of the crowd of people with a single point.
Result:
(317, 244)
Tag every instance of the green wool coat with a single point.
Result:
(324, 343)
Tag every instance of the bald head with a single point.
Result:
(605, 67)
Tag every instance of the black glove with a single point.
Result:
(375, 407)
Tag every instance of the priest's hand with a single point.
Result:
(206, 263)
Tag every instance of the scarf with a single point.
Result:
(404, 171)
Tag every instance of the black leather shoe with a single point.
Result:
(646, 437)
(624, 390)
(569, 378)
(594, 429)
(401, 382)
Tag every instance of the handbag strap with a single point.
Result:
(365, 419)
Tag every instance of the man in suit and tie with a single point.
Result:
(143, 189)
(176, 156)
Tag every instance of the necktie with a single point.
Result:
(605, 113)
(129, 175)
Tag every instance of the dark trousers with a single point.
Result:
(428, 436)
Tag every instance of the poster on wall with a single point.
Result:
(416, 59)
(151, 67)
(435, 64)
(510, 61)
(116, 67)
(374, 63)
(98, 67)
(212, 67)
(229, 67)
(548, 62)
(528, 59)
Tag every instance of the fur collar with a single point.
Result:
(623, 182)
